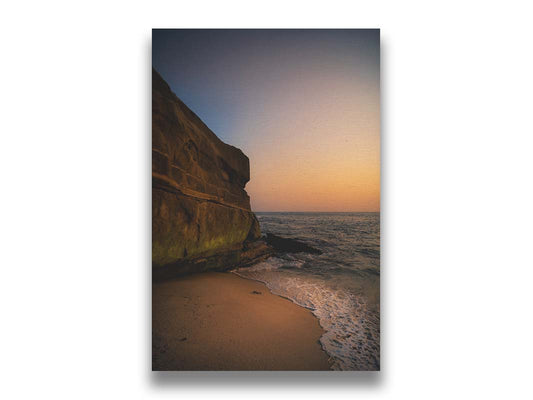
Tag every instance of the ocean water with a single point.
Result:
(340, 286)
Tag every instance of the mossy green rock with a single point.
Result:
(201, 213)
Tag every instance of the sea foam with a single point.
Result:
(351, 330)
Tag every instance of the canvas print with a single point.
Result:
(265, 200)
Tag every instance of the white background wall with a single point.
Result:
(456, 198)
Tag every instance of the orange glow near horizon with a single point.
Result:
(319, 150)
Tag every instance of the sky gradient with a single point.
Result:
(303, 105)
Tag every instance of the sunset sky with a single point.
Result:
(303, 105)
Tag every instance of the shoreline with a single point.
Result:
(222, 321)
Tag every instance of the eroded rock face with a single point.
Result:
(201, 217)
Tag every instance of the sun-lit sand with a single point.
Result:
(219, 321)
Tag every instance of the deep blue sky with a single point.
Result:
(213, 71)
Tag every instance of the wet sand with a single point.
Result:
(219, 321)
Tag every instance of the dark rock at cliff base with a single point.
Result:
(243, 256)
(286, 245)
(201, 216)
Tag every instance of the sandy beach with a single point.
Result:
(219, 321)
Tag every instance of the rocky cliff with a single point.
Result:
(201, 216)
